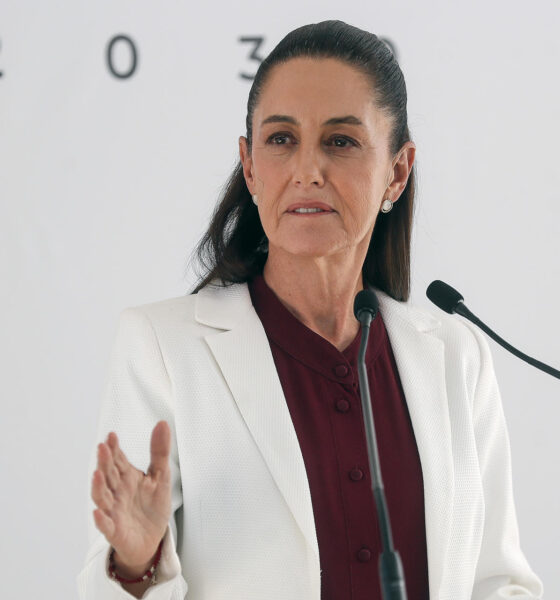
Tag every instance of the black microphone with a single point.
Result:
(391, 572)
(366, 306)
(451, 301)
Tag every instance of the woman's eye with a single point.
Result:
(341, 142)
(278, 139)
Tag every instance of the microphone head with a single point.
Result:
(444, 296)
(365, 301)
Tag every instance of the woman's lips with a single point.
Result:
(312, 214)
(321, 205)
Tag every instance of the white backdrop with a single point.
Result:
(107, 182)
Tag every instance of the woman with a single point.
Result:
(258, 484)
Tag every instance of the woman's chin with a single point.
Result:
(303, 249)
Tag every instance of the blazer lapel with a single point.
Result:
(421, 364)
(245, 360)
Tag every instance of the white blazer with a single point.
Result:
(243, 526)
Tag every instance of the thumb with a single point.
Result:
(160, 448)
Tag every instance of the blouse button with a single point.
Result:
(364, 555)
(356, 474)
(341, 370)
(342, 405)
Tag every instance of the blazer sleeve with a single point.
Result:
(138, 395)
(502, 569)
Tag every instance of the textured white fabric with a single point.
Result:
(242, 526)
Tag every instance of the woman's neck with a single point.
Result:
(318, 291)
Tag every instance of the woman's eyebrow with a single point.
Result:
(347, 120)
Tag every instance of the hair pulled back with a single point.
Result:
(234, 248)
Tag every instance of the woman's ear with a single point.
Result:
(400, 170)
(247, 162)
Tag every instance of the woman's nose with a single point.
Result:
(308, 168)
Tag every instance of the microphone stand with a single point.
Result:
(390, 565)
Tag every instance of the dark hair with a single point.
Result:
(234, 248)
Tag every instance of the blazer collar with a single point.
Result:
(420, 357)
(223, 307)
(418, 318)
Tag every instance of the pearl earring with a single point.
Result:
(255, 199)
(386, 206)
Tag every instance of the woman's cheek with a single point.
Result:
(267, 171)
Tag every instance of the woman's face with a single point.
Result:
(320, 142)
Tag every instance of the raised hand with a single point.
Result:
(133, 508)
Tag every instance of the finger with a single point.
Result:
(107, 465)
(104, 523)
(100, 493)
(160, 448)
(119, 458)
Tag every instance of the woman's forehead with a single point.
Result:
(317, 89)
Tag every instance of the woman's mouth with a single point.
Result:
(310, 211)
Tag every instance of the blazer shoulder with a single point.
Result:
(168, 318)
(167, 306)
(195, 315)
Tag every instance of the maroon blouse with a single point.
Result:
(321, 389)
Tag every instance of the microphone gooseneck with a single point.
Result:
(451, 301)
(391, 573)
